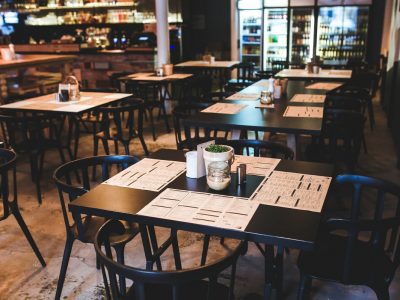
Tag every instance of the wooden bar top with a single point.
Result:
(30, 60)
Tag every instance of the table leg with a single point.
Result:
(292, 143)
(235, 134)
(3, 88)
(279, 272)
(269, 270)
(146, 246)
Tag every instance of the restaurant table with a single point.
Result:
(301, 74)
(264, 119)
(220, 68)
(73, 109)
(27, 61)
(270, 225)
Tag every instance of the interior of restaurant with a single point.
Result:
(230, 149)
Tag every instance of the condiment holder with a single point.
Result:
(219, 176)
(266, 97)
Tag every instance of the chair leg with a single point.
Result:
(164, 112)
(64, 266)
(206, 242)
(95, 152)
(146, 151)
(119, 250)
(126, 147)
(116, 147)
(27, 234)
(36, 176)
(304, 287)
(153, 129)
(105, 145)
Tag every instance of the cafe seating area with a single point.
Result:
(135, 166)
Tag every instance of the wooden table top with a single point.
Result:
(29, 60)
(270, 224)
(323, 74)
(263, 119)
(206, 64)
(151, 76)
(48, 103)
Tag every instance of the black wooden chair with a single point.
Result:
(153, 95)
(198, 136)
(341, 139)
(8, 161)
(261, 148)
(171, 284)
(121, 123)
(244, 76)
(34, 134)
(358, 250)
(72, 180)
(278, 65)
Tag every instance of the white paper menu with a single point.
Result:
(244, 96)
(304, 112)
(260, 166)
(328, 86)
(308, 98)
(202, 208)
(148, 174)
(293, 190)
(224, 108)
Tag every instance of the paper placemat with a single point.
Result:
(244, 96)
(224, 108)
(202, 208)
(148, 174)
(293, 190)
(140, 75)
(307, 98)
(260, 166)
(328, 86)
(304, 112)
(179, 76)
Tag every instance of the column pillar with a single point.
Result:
(162, 33)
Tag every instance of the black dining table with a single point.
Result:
(270, 225)
(264, 119)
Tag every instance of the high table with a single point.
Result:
(26, 61)
(263, 119)
(74, 109)
(221, 68)
(300, 74)
(269, 225)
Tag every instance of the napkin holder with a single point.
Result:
(195, 166)
(168, 69)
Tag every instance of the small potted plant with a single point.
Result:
(217, 153)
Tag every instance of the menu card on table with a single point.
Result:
(244, 96)
(148, 174)
(260, 166)
(202, 208)
(324, 86)
(293, 190)
(224, 108)
(304, 112)
(308, 98)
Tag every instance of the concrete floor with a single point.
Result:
(22, 277)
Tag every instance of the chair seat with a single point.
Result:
(92, 225)
(113, 135)
(194, 291)
(327, 261)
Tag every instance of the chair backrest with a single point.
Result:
(364, 79)
(29, 131)
(8, 161)
(175, 279)
(349, 103)
(380, 230)
(181, 112)
(101, 90)
(126, 114)
(197, 87)
(260, 148)
(278, 65)
(244, 71)
(72, 179)
(344, 131)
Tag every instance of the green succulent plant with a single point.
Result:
(217, 148)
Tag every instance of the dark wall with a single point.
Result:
(377, 15)
(206, 28)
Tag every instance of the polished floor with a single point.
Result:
(22, 277)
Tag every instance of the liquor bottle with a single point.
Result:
(123, 40)
(115, 40)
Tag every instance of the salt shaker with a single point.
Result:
(241, 173)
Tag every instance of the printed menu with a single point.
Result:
(293, 190)
(148, 174)
(244, 96)
(308, 98)
(328, 86)
(304, 112)
(202, 208)
(260, 166)
(224, 108)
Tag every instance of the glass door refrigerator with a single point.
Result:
(342, 33)
(301, 35)
(250, 31)
(275, 32)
